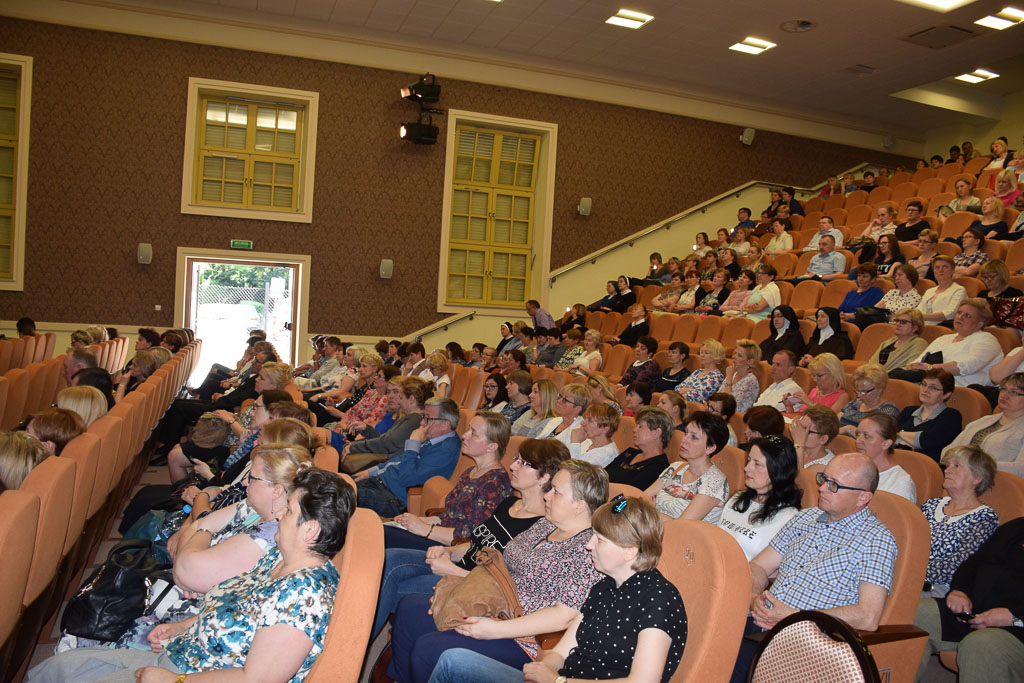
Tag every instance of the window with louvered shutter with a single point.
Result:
(491, 233)
(9, 90)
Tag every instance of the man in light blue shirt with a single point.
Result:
(432, 449)
(825, 227)
(828, 264)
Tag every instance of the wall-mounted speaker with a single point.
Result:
(747, 136)
(387, 268)
(145, 253)
(585, 205)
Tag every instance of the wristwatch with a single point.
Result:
(1016, 621)
(561, 679)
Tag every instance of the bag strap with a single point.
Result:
(493, 562)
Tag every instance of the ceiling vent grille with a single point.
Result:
(939, 37)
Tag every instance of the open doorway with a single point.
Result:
(224, 297)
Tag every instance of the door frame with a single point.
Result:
(302, 262)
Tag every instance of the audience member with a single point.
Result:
(876, 438)
(931, 426)
(592, 440)
(740, 380)
(939, 303)
(640, 465)
(785, 334)
(694, 488)
(826, 226)
(869, 382)
(812, 431)
(968, 354)
(707, 379)
(783, 366)
(1001, 435)
(828, 337)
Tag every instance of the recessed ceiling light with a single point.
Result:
(1009, 16)
(938, 5)
(977, 76)
(752, 46)
(629, 19)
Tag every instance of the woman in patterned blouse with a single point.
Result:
(707, 380)
(968, 263)
(270, 623)
(960, 522)
(552, 572)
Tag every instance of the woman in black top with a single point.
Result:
(626, 296)
(996, 277)
(640, 465)
(785, 334)
(931, 426)
(828, 337)
(408, 571)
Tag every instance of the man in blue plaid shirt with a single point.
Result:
(837, 558)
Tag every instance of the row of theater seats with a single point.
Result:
(711, 573)
(24, 391)
(53, 523)
(19, 352)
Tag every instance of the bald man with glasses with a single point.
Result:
(836, 558)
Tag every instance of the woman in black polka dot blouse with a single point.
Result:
(632, 624)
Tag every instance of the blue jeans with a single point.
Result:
(417, 644)
(400, 538)
(466, 666)
(371, 493)
(405, 573)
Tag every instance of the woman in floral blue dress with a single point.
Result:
(270, 622)
(708, 379)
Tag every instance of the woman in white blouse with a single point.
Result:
(1001, 435)
(782, 241)
(876, 437)
(572, 400)
(590, 361)
(592, 440)
(969, 354)
(939, 303)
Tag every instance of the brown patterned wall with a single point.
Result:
(108, 118)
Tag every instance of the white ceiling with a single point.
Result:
(684, 50)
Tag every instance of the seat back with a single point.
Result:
(731, 461)
(805, 644)
(34, 394)
(871, 339)
(19, 517)
(28, 351)
(971, 404)
(110, 460)
(53, 481)
(360, 564)
(787, 265)
(84, 450)
(735, 329)
(835, 291)
(913, 538)
(925, 472)
(460, 379)
(617, 360)
(17, 393)
(610, 324)
(1006, 496)
(709, 328)
(685, 329)
(806, 296)
(862, 213)
(855, 198)
(711, 573)
(51, 379)
(474, 395)
(6, 355)
(662, 326)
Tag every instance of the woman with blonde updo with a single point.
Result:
(20, 452)
(88, 402)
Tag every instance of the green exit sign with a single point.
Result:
(241, 244)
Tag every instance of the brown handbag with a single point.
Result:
(487, 591)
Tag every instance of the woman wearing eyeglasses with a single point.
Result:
(905, 346)
(771, 497)
(869, 382)
(996, 277)
(708, 378)
(926, 242)
(968, 355)
(829, 386)
(1001, 435)
(931, 426)
(411, 571)
(903, 295)
(694, 488)
(572, 400)
(518, 386)
(876, 438)
(812, 432)
(632, 625)
(495, 392)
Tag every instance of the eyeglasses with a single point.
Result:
(258, 405)
(926, 241)
(522, 463)
(490, 386)
(862, 392)
(833, 485)
(250, 476)
(901, 321)
(619, 503)
(1015, 392)
(931, 387)
(432, 419)
(568, 400)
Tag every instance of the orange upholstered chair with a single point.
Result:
(925, 472)
(17, 393)
(19, 516)
(711, 573)
(1006, 497)
(360, 564)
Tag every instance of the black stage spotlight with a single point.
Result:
(421, 91)
(419, 132)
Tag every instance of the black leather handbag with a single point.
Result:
(115, 594)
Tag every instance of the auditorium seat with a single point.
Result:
(835, 201)
(685, 329)
(6, 355)
(858, 215)
(733, 330)
(709, 328)
(1006, 496)
(925, 472)
(949, 170)
(17, 394)
(878, 195)
(931, 187)
(932, 332)
(922, 174)
(360, 563)
(711, 573)
(838, 216)
(326, 458)
(855, 198)
(731, 460)
(34, 395)
(474, 391)
(28, 351)
(616, 362)
(786, 265)
(610, 325)
(955, 225)
(662, 325)
(806, 296)
(835, 291)
(19, 517)
(1008, 339)
(900, 177)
